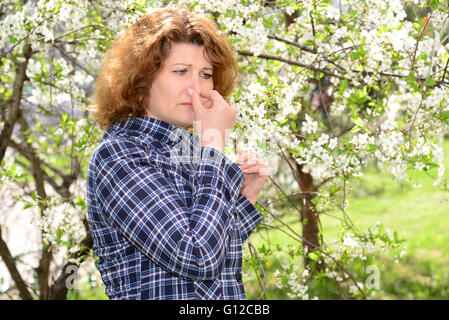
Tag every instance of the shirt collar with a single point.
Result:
(150, 128)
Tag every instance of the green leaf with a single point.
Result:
(434, 4)
(355, 55)
(430, 82)
(431, 165)
(343, 86)
(416, 26)
(28, 205)
(59, 234)
(358, 121)
(309, 43)
(334, 190)
(371, 147)
(313, 256)
(445, 116)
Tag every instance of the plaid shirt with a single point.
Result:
(166, 215)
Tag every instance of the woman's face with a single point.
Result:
(185, 67)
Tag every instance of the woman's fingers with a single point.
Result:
(215, 99)
(249, 164)
(213, 95)
(245, 158)
(196, 100)
(196, 103)
(259, 169)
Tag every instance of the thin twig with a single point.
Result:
(295, 63)
(418, 40)
(74, 61)
(251, 247)
(331, 74)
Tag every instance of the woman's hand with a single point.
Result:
(255, 172)
(216, 116)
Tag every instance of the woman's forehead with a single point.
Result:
(188, 54)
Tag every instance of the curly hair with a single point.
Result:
(131, 63)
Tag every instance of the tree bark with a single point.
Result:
(12, 268)
(13, 108)
(59, 289)
(43, 270)
(309, 217)
(14, 104)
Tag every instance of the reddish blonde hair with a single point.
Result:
(132, 62)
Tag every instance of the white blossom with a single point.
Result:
(309, 126)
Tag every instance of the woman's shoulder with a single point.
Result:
(129, 152)
(120, 148)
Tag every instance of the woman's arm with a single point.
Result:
(147, 210)
(248, 215)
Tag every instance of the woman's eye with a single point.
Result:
(180, 72)
(206, 75)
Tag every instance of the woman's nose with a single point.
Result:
(195, 83)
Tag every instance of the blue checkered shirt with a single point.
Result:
(166, 215)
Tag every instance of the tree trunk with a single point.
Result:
(59, 289)
(43, 270)
(10, 263)
(13, 105)
(10, 117)
(309, 217)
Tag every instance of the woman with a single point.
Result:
(166, 228)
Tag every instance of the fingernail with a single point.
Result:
(190, 91)
(246, 170)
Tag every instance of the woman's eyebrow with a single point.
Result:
(189, 65)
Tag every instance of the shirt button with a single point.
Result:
(238, 276)
(195, 282)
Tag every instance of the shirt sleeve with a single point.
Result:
(147, 210)
(248, 215)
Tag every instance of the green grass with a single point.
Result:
(87, 292)
(420, 216)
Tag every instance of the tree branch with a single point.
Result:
(293, 43)
(74, 61)
(252, 248)
(12, 268)
(295, 63)
(331, 74)
(58, 290)
(67, 180)
(43, 270)
(445, 70)
(427, 22)
(15, 102)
